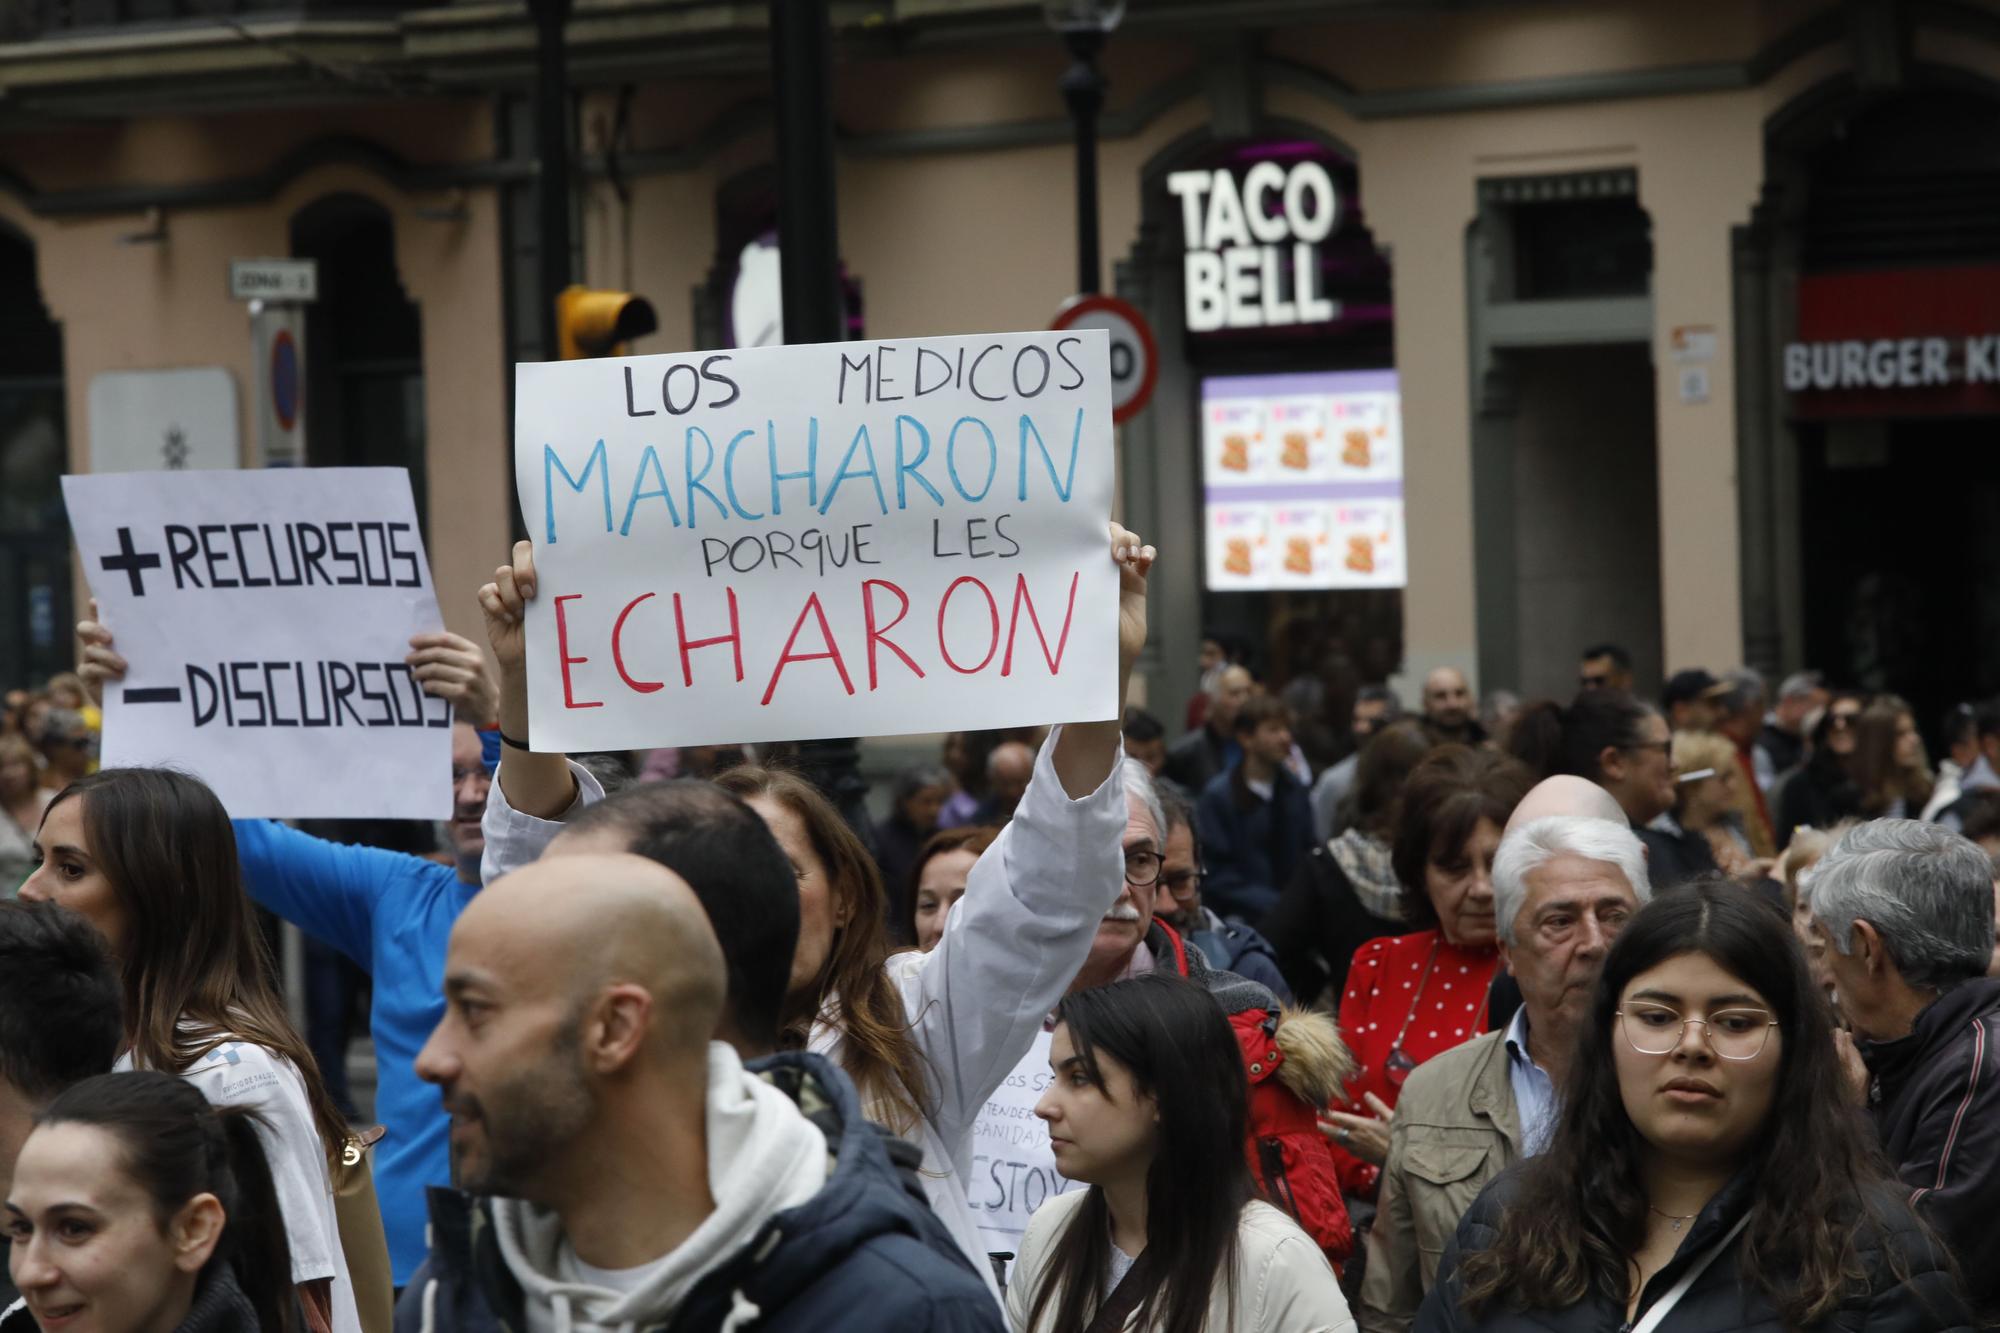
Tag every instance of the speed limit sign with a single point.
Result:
(1135, 358)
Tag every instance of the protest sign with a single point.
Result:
(266, 616)
(828, 540)
(1013, 1166)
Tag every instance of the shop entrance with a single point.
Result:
(1901, 572)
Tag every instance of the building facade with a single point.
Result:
(1599, 245)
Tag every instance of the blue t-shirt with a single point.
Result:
(392, 914)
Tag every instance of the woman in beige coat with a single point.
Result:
(1146, 1107)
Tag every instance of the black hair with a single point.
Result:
(1141, 726)
(1581, 1211)
(1174, 1040)
(1616, 652)
(60, 1016)
(1380, 694)
(177, 1146)
(739, 874)
(1552, 739)
(1961, 724)
(1259, 709)
(1979, 814)
(1988, 717)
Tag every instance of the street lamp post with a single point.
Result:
(809, 270)
(1084, 25)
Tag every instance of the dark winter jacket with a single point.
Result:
(865, 1253)
(1317, 925)
(1674, 857)
(1234, 947)
(219, 1307)
(1935, 1100)
(1252, 847)
(1923, 1298)
(1295, 1061)
(1199, 758)
(1819, 795)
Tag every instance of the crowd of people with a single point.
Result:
(1594, 1014)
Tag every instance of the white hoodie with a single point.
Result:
(764, 1156)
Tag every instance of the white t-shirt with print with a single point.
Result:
(239, 1074)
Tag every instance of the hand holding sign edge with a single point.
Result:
(1087, 751)
(534, 784)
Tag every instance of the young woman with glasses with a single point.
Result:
(1706, 1173)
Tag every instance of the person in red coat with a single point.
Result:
(1411, 996)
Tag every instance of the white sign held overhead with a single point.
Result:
(266, 615)
(823, 540)
(274, 279)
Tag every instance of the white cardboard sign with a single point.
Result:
(1013, 1167)
(265, 616)
(843, 539)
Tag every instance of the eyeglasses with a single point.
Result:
(1142, 869)
(1182, 883)
(1733, 1034)
(1666, 747)
(1842, 719)
(1589, 682)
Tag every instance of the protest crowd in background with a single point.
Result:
(1313, 1008)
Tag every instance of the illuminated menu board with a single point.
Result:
(1303, 481)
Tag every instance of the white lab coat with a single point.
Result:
(1011, 947)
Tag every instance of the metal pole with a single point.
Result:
(1083, 88)
(552, 161)
(809, 269)
(808, 226)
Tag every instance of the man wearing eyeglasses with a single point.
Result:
(1563, 887)
(1228, 945)
(1905, 910)
(1294, 1061)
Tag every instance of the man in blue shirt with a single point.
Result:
(391, 913)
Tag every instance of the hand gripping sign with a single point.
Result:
(266, 615)
(823, 540)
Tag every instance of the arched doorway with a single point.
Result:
(364, 343)
(35, 601)
(1871, 281)
(1219, 217)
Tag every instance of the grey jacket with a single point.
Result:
(1456, 1129)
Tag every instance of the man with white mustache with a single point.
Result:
(1296, 1066)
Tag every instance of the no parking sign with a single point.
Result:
(1135, 357)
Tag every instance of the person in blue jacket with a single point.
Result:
(391, 913)
(624, 1170)
(1255, 820)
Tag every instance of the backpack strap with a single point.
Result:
(1174, 942)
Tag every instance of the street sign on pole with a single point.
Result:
(1135, 357)
(278, 367)
(274, 279)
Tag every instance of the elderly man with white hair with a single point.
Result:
(1564, 885)
(1906, 911)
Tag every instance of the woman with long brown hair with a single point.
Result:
(1890, 766)
(926, 1036)
(147, 855)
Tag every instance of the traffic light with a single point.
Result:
(598, 323)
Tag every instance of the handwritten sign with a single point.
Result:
(1013, 1168)
(830, 540)
(265, 616)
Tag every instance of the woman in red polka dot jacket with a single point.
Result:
(1411, 996)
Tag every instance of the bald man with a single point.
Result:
(631, 1172)
(1451, 714)
(1008, 769)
